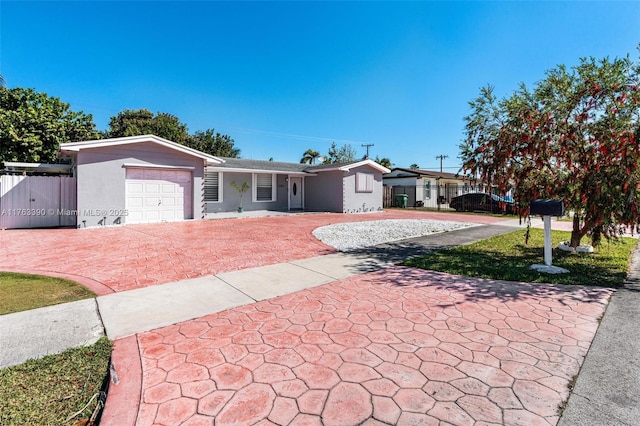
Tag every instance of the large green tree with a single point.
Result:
(33, 125)
(574, 136)
(343, 154)
(144, 122)
(214, 143)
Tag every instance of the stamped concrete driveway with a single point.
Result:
(398, 346)
(128, 257)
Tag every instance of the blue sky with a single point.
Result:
(282, 77)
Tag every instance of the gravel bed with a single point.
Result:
(357, 235)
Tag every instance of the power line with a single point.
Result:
(441, 157)
(436, 166)
(367, 145)
(286, 135)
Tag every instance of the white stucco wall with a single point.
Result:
(361, 202)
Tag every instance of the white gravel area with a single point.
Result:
(356, 235)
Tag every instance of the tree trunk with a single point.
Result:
(576, 232)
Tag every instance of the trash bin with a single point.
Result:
(401, 200)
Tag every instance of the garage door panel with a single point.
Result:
(152, 188)
(170, 188)
(135, 187)
(158, 195)
(135, 202)
(135, 216)
(168, 202)
(151, 216)
(170, 215)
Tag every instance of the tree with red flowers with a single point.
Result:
(575, 137)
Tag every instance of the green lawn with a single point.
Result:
(507, 257)
(50, 390)
(21, 292)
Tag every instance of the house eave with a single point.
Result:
(348, 167)
(101, 143)
(268, 171)
(35, 166)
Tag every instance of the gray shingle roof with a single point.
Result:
(431, 173)
(314, 167)
(276, 166)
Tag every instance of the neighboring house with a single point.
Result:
(146, 179)
(426, 187)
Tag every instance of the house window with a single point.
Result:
(427, 190)
(364, 182)
(212, 187)
(264, 187)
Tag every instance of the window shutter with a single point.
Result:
(364, 182)
(264, 189)
(211, 186)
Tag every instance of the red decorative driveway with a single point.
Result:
(134, 256)
(398, 346)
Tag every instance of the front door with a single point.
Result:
(295, 193)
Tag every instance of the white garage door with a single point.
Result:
(158, 195)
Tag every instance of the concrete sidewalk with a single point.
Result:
(49, 330)
(607, 391)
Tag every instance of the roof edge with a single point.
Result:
(99, 143)
(348, 167)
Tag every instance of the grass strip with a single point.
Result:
(507, 257)
(21, 292)
(47, 391)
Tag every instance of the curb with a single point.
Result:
(125, 387)
(96, 286)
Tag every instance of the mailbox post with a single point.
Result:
(547, 209)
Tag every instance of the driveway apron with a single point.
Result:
(397, 346)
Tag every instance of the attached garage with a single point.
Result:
(138, 179)
(158, 195)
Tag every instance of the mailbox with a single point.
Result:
(546, 208)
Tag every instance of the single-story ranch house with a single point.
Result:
(146, 179)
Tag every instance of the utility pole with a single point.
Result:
(441, 157)
(367, 145)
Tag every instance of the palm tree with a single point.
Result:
(309, 157)
(384, 162)
(414, 166)
(3, 82)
